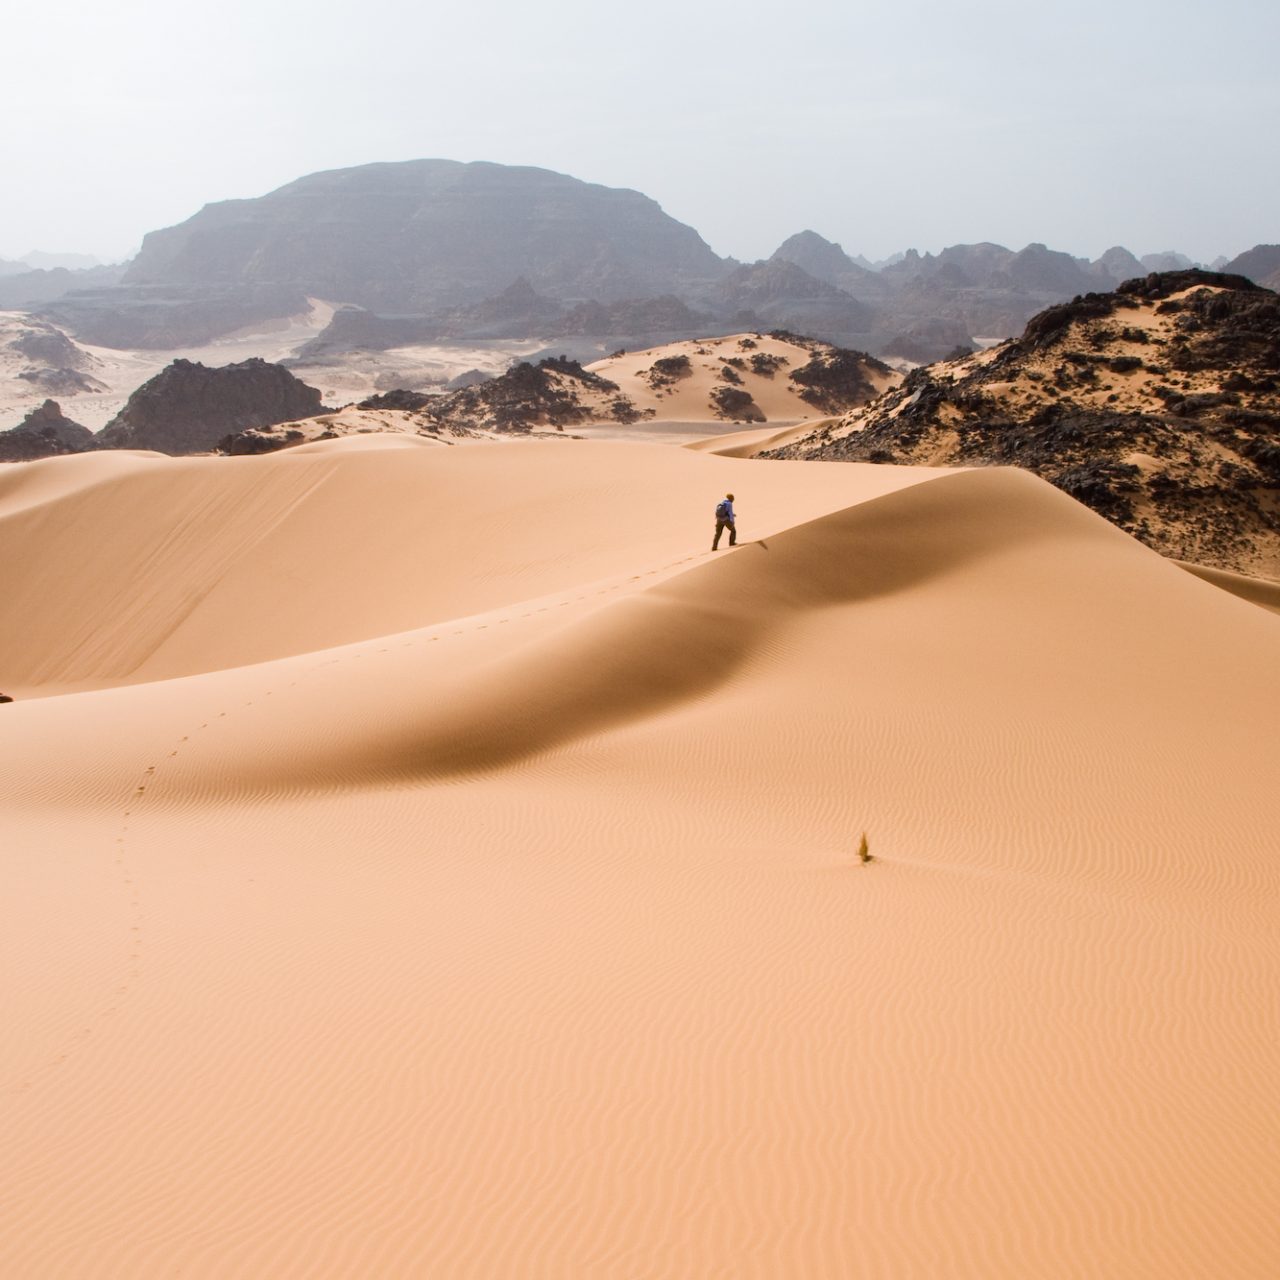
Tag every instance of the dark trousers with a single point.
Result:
(721, 526)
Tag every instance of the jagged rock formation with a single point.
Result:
(825, 260)
(188, 408)
(778, 294)
(1158, 405)
(44, 433)
(1116, 266)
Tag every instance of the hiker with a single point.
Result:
(725, 520)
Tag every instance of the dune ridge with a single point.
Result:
(527, 937)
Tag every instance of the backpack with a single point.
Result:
(722, 509)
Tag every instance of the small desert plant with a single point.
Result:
(864, 851)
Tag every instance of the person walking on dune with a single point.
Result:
(725, 520)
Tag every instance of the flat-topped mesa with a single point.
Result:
(1158, 405)
(188, 408)
(419, 235)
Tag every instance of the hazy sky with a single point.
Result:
(882, 124)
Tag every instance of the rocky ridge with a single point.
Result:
(434, 251)
(1157, 404)
(188, 407)
(701, 380)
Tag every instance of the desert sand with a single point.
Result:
(429, 861)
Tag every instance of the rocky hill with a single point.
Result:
(188, 408)
(44, 433)
(742, 378)
(1158, 405)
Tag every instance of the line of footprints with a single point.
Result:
(128, 879)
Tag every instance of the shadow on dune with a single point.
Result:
(682, 639)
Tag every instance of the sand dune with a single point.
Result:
(434, 861)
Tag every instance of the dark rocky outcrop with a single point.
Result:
(44, 433)
(188, 408)
(1158, 405)
(835, 378)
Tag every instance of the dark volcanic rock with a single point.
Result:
(44, 433)
(188, 408)
(1157, 405)
(835, 378)
(549, 393)
(407, 401)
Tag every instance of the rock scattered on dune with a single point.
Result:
(1157, 405)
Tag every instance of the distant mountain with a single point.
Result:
(1169, 260)
(422, 235)
(1158, 405)
(51, 261)
(1258, 264)
(426, 251)
(28, 287)
(1118, 265)
(827, 261)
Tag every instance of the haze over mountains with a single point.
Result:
(438, 249)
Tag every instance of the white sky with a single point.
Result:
(883, 124)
